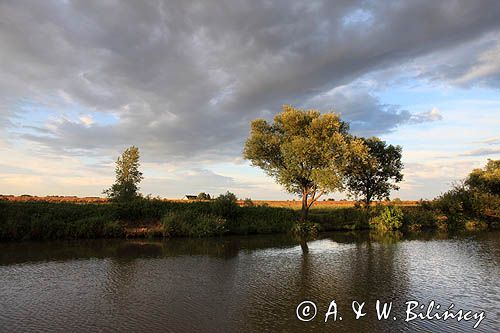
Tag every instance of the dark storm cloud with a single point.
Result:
(365, 113)
(184, 77)
(476, 62)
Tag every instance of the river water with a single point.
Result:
(249, 284)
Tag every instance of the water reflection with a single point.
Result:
(224, 247)
(245, 283)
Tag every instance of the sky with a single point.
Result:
(80, 81)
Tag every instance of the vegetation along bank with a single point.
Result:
(143, 217)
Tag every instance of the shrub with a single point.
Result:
(187, 223)
(45, 220)
(415, 227)
(416, 218)
(305, 231)
(248, 203)
(453, 205)
(442, 223)
(262, 220)
(475, 202)
(485, 206)
(112, 229)
(89, 227)
(476, 225)
(397, 201)
(225, 206)
(389, 218)
(461, 204)
(140, 209)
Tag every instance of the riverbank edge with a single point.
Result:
(150, 219)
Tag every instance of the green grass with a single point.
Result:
(64, 220)
(50, 220)
(262, 220)
(189, 224)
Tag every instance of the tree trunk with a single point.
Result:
(305, 207)
(303, 245)
(304, 213)
(368, 199)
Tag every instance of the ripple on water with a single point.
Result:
(249, 284)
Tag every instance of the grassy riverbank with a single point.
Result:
(23, 220)
(40, 220)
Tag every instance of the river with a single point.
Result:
(249, 284)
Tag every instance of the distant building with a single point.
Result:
(189, 197)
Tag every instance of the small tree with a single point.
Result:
(203, 196)
(303, 150)
(374, 175)
(128, 176)
(226, 206)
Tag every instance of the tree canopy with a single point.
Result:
(486, 179)
(128, 176)
(303, 150)
(203, 196)
(375, 174)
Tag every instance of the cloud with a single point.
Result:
(86, 120)
(483, 152)
(486, 67)
(192, 181)
(429, 178)
(82, 80)
(475, 62)
(185, 78)
(364, 111)
(491, 141)
(432, 115)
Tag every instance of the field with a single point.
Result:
(292, 204)
(53, 198)
(296, 204)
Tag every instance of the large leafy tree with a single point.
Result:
(303, 150)
(128, 176)
(487, 179)
(373, 175)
